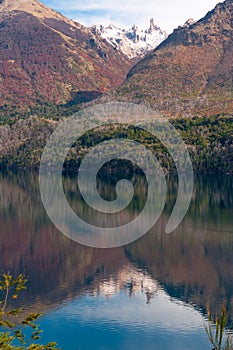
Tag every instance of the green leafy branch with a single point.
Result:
(14, 337)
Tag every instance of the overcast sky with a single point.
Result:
(168, 14)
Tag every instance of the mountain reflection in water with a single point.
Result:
(158, 279)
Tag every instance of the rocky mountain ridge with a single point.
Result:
(133, 42)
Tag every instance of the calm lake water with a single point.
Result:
(150, 294)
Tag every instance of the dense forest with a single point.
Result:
(208, 139)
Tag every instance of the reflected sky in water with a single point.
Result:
(127, 311)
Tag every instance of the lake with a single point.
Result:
(152, 293)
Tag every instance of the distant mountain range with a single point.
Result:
(189, 73)
(50, 64)
(133, 42)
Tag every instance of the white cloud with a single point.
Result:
(167, 13)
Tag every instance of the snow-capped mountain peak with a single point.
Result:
(133, 42)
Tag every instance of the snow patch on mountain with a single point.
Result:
(132, 42)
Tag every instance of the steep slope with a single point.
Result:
(132, 42)
(191, 71)
(47, 58)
